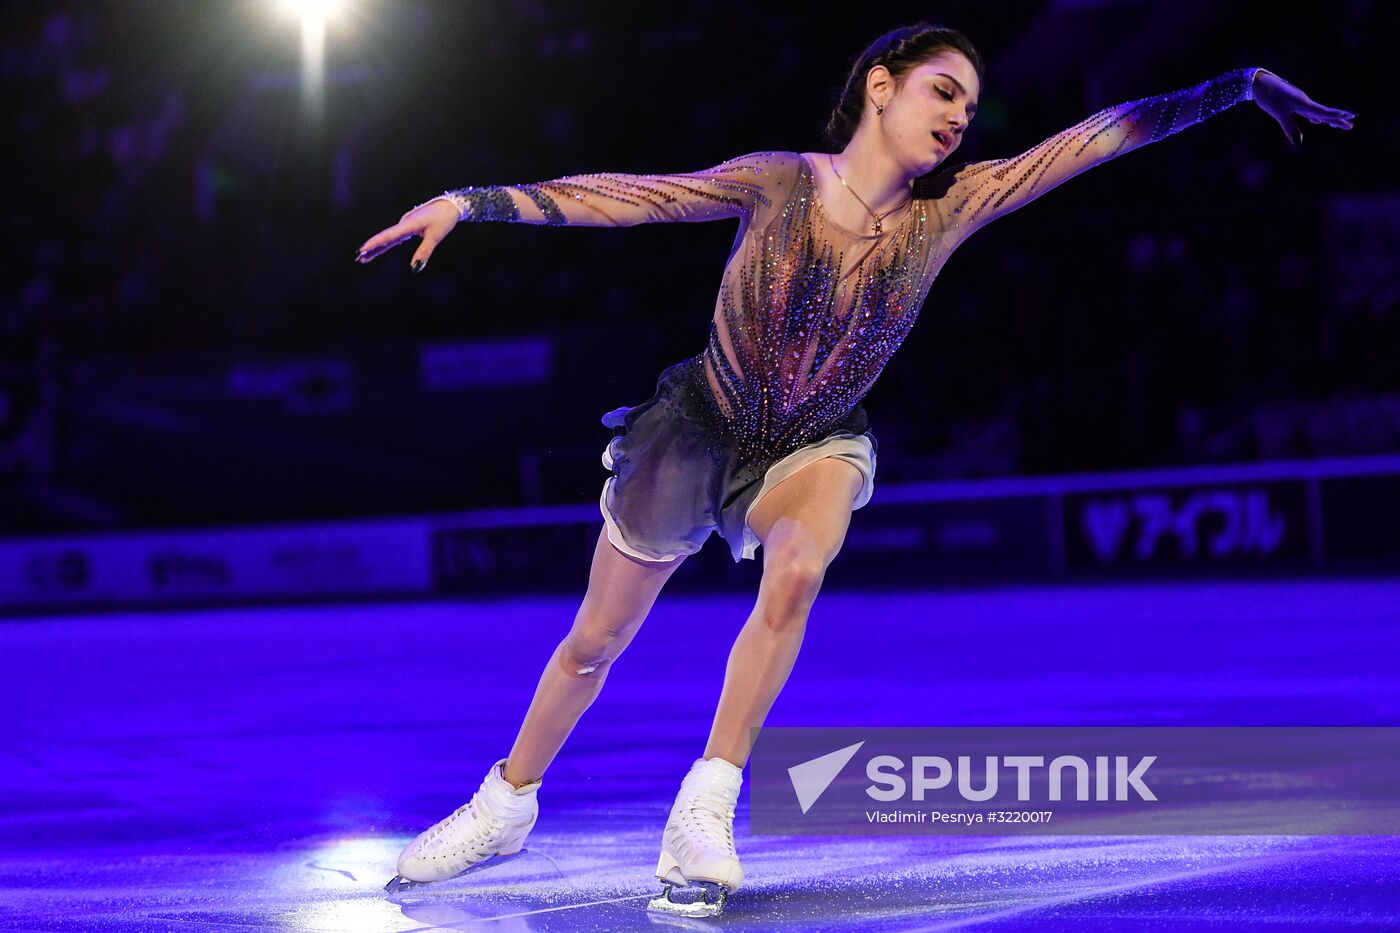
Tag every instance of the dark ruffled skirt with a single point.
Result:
(676, 479)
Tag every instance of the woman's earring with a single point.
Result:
(879, 109)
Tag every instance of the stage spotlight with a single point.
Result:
(313, 10)
(313, 15)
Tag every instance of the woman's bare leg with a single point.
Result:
(621, 591)
(802, 523)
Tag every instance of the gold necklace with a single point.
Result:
(879, 228)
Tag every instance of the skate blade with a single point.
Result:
(399, 883)
(708, 903)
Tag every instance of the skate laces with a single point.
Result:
(712, 817)
(478, 823)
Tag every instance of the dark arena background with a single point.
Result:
(286, 540)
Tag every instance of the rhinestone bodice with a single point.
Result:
(809, 312)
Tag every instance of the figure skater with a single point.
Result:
(761, 436)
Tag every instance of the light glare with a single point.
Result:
(310, 10)
(313, 15)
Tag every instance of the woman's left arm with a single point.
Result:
(977, 193)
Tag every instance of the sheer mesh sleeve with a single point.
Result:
(736, 188)
(977, 193)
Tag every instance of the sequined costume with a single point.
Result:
(809, 312)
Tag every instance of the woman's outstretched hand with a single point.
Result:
(431, 221)
(1281, 100)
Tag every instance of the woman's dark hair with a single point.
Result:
(899, 50)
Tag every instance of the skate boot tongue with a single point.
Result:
(500, 798)
(715, 776)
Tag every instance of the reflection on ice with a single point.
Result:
(260, 769)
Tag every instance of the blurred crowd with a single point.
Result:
(1218, 296)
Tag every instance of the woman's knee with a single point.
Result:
(593, 644)
(791, 578)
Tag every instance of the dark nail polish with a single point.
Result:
(417, 265)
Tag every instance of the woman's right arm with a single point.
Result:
(735, 188)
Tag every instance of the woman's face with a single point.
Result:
(937, 96)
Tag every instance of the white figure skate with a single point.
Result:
(482, 833)
(698, 844)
